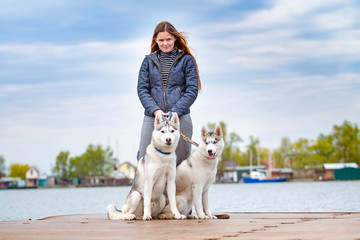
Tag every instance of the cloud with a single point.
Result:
(27, 9)
(271, 108)
(281, 38)
(335, 19)
(58, 69)
(282, 14)
(65, 97)
(287, 68)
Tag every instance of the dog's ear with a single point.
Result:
(203, 131)
(158, 119)
(218, 131)
(175, 118)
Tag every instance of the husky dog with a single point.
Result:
(155, 172)
(195, 175)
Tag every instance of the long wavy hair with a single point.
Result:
(180, 42)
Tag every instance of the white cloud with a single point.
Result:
(86, 51)
(253, 71)
(30, 9)
(342, 18)
(282, 13)
(72, 124)
(296, 106)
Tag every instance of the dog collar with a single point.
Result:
(167, 153)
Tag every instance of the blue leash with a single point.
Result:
(170, 116)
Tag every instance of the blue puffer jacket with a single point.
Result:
(181, 89)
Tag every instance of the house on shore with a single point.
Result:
(341, 171)
(234, 173)
(122, 176)
(32, 177)
(127, 169)
(287, 173)
(11, 182)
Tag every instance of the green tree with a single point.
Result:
(77, 167)
(252, 150)
(98, 161)
(281, 156)
(95, 161)
(18, 170)
(240, 158)
(2, 167)
(300, 153)
(262, 154)
(62, 165)
(347, 143)
(322, 149)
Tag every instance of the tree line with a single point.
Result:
(15, 169)
(341, 145)
(95, 161)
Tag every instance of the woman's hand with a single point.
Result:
(167, 115)
(156, 112)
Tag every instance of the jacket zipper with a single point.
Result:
(164, 89)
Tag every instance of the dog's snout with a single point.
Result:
(210, 151)
(168, 140)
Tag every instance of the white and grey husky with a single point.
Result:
(154, 174)
(195, 175)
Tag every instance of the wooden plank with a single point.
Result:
(239, 226)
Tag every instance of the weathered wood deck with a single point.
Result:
(239, 226)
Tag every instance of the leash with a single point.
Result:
(186, 139)
(170, 116)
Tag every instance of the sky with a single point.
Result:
(269, 69)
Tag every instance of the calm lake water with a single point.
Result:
(334, 196)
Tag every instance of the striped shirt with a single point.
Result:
(166, 61)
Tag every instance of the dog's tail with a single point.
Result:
(113, 213)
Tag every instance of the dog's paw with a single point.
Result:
(147, 217)
(191, 217)
(129, 217)
(202, 216)
(210, 217)
(179, 216)
(164, 216)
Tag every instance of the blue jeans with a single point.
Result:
(183, 149)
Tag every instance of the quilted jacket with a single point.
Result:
(181, 88)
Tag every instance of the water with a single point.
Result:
(334, 196)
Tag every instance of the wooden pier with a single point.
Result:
(240, 226)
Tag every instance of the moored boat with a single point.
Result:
(259, 177)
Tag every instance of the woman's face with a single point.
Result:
(165, 41)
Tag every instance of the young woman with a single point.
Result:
(168, 81)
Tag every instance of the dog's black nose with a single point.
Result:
(168, 140)
(210, 151)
